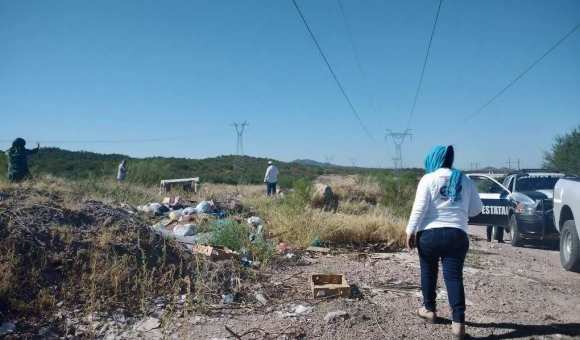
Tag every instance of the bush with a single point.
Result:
(565, 153)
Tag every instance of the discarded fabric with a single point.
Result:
(184, 230)
(204, 207)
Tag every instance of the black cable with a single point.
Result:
(522, 74)
(338, 83)
(424, 64)
(104, 141)
(356, 55)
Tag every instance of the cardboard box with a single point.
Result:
(328, 285)
(215, 253)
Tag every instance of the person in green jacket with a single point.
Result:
(18, 160)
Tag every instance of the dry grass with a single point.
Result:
(354, 188)
(57, 246)
(358, 220)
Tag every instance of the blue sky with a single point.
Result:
(114, 70)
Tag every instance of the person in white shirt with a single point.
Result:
(271, 179)
(122, 171)
(438, 223)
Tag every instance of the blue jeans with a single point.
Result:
(450, 245)
(271, 188)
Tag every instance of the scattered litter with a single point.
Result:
(282, 247)
(228, 298)
(296, 310)
(316, 242)
(318, 250)
(7, 328)
(257, 234)
(175, 215)
(156, 209)
(184, 230)
(261, 298)
(338, 315)
(148, 324)
(205, 207)
(255, 221)
(214, 252)
(172, 201)
(186, 218)
(189, 211)
(290, 255)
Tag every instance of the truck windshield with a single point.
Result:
(536, 183)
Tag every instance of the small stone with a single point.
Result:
(148, 324)
(336, 316)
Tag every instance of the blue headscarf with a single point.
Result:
(434, 161)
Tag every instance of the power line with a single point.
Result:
(106, 141)
(424, 64)
(522, 74)
(338, 83)
(356, 55)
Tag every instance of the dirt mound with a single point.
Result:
(87, 257)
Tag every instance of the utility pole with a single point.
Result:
(353, 161)
(240, 129)
(398, 139)
(510, 163)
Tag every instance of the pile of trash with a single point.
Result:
(213, 229)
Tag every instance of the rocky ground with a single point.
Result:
(511, 293)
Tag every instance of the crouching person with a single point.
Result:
(437, 226)
(18, 160)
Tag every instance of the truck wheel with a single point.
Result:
(514, 231)
(570, 247)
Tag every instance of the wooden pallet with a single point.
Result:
(329, 285)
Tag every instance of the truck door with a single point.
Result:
(497, 204)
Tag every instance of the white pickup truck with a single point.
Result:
(567, 220)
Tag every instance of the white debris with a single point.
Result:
(261, 298)
(336, 316)
(189, 211)
(204, 207)
(184, 230)
(175, 215)
(255, 221)
(296, 310)
(148, 324)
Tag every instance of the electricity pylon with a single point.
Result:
(240, 129)
(398, 140)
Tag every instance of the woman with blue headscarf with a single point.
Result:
(444, 202)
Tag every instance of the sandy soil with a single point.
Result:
(511, 293)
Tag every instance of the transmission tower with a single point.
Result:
(240, 129)
(398, 139)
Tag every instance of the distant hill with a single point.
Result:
(149, 171)
(310, 162)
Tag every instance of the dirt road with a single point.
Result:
(511, 293)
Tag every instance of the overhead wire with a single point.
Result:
(106, 141)
(356, 55)
(420, 84)
(523, 73)
(331, 70)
